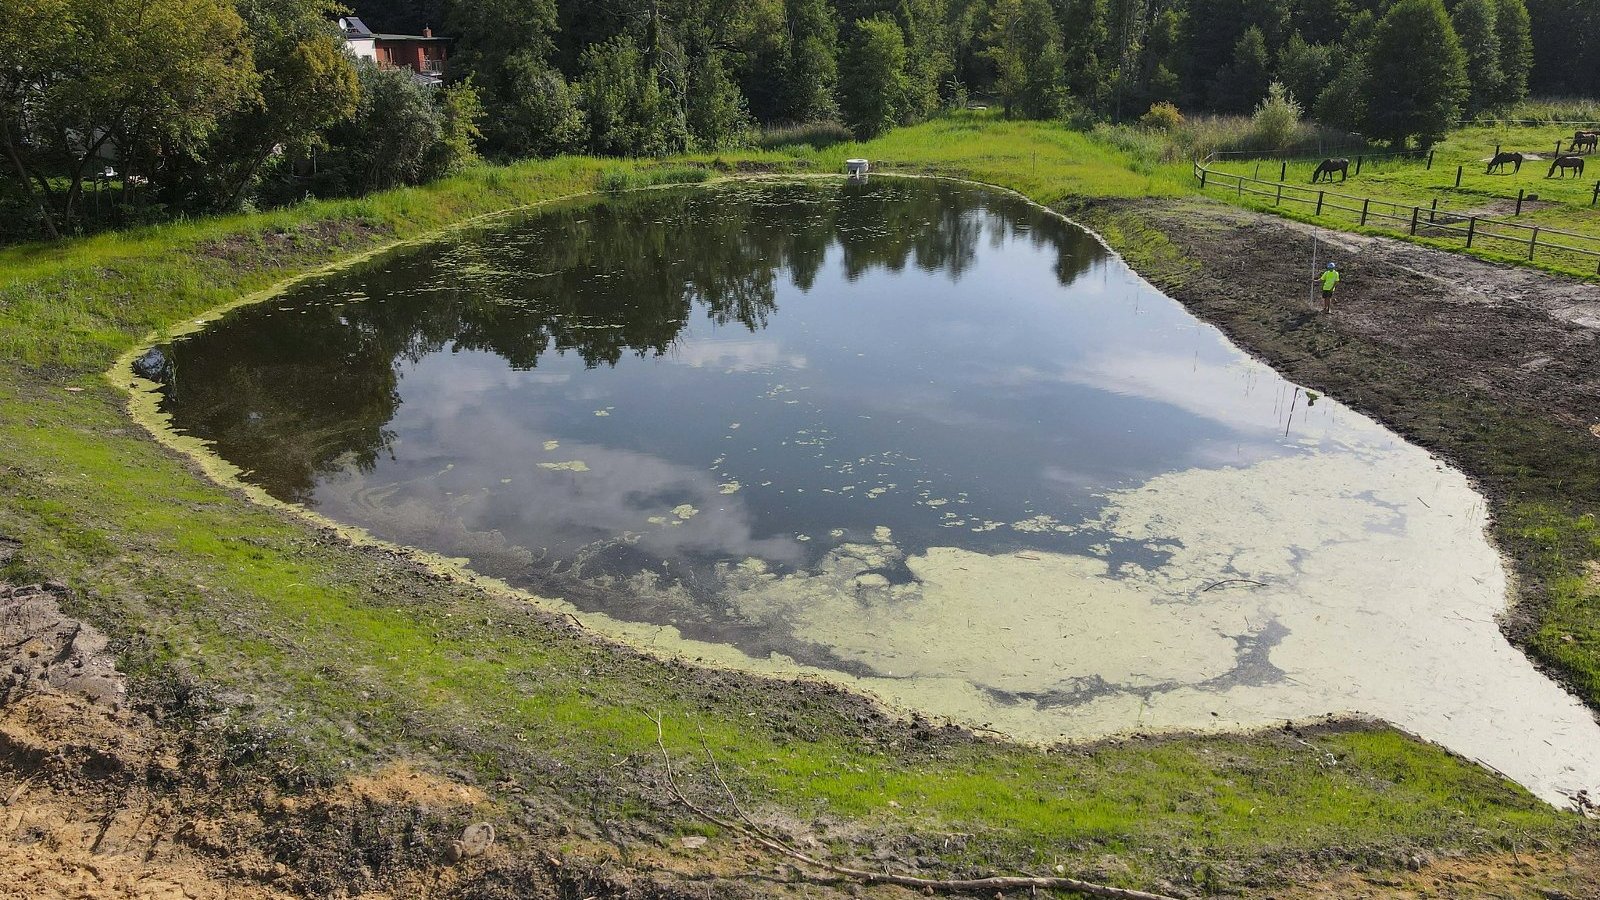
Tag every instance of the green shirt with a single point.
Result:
(1329, 279)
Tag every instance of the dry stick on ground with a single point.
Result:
(1217, 584)
(750, 830)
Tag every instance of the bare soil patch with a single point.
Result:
(101, 801)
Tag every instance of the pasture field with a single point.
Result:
(340, 656)
(1398, 185)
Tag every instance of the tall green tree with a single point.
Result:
(872, 85)
(307, 84)
(1474, 23)
(1514, 30)
(505, 47)
(810, 74)
(1024, 41)
(1417, 74)
(1243, 82)
(1566, 47)
(627, 110)
(402, 133)
(1084, 39)
(149, 78)
(1343, 103)
(1305, 69)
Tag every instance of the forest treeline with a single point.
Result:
(171, 106)
(654, 75)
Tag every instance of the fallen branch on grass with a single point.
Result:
(748, 829)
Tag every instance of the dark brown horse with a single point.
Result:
(1584, 141)
(1330, 166)
(1564, 163)
(1501, 159)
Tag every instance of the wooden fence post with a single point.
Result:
(1472, 229)
(1520, 193)
(1364, 205)
(1416, 213)
(1458, 176)
(1320, 195)
(1283, 173)
(1596, 197)
(1240, 193)
(1202, 178)
(1430, 160)
(1279, 201)
(1533, 243)
(1433, 211)
(1359, 159)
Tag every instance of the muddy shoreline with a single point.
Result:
(1495, 369)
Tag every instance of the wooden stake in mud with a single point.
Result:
(1520, 193)
(1315, 271)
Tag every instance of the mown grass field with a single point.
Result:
(350, 656)
(1398, 185)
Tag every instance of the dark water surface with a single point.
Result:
(663, 381)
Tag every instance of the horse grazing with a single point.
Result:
(1500, 160)
(1586, 140)
(1330, 166)
(1564, 163)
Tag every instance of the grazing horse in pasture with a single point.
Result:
(1330, 166)
(1587, 140)
(1500, 160)
(1564, 163)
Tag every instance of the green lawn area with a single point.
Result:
(1398, 185)
(349, 657)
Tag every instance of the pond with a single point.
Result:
(919, 437)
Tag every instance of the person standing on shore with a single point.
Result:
(1330, 279)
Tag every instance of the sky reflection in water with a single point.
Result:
(920, 436)
(796, 364)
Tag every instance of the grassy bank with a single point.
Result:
(352, 655)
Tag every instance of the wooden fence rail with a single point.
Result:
(1412, 220)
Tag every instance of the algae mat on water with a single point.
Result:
(919, 437)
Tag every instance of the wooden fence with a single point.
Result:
(1425, 221)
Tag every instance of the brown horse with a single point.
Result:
(1330, 166)
(1501, 159)
(1564, 163)
(1586, 140)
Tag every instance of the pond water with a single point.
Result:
(920, 437)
